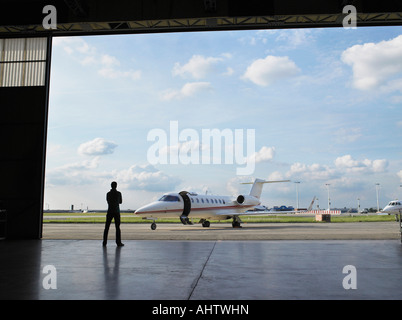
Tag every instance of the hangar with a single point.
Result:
(25, 62)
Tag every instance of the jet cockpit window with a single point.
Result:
(169, 198)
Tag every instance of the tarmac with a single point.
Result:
(322, 261)
(224, 231)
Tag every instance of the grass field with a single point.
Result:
(94, 217)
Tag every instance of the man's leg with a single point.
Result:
(107, 226)
(117, 225)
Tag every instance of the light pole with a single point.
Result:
(358, 205)
(329, 202)
(297, 194)
(377, 188)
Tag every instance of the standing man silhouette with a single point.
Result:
(113, 198)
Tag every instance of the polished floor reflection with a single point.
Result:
(146, 270)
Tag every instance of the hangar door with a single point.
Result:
(24, 88)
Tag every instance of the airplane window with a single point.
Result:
(216, 201)
(169, 198)
(192, 200)
(207, 200)
(202, 200)
(223, 201)
(198, 201)
(220, 201)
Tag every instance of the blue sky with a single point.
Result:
(325, 106)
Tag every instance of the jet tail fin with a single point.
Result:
(256, 189)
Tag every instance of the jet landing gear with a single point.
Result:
(205, 223)
(236, 222)
(153, 224)
(185, 220)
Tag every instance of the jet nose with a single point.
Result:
(149, 208)
(385, 209)
(140, 211)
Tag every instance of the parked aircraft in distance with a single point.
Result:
(186, 205)
(394, 206)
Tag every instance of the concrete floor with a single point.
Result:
(188, 270)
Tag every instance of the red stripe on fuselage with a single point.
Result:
(196, 209)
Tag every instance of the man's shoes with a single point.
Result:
(120, 244)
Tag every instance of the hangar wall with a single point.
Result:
(24, 91)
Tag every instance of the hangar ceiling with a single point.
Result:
(84, 17)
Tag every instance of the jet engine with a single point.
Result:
(247, 200)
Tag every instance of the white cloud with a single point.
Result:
(348, 164)
(399, 174)
(265, 154)
(136, 177)
(197, 67)
(77, 173)
(188, 90)
(97, 146)
(146, 177)
(74, 45)
(314, 171)
(264, 72)
(342, 165)
(109, 61)
(112, 73)
(87, 55)
(347, 135)
(234, 185)
(374, 64)
(295, 37)
(229, 71)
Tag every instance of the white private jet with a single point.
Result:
(204, 207)
(394, 207)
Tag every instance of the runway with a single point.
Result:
(224, 231)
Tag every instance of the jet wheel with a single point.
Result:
(236, 224)
(205, 224)
(153, 225)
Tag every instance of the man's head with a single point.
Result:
(114, 185)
